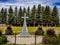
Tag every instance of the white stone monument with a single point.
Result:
(24, 29)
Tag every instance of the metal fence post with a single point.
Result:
(15, 39)
(35, 38)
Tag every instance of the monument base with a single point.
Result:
(24, 34)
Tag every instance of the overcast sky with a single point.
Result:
(26, 3)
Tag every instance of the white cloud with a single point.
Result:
(26, 3)
(22, 3)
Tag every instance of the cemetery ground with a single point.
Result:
(31, 30)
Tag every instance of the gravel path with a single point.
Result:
(24, 40)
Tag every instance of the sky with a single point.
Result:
(26, 3)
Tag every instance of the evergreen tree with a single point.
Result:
(24, 11)
(5, 16)
(28, 15)
(16, 11)
(42, 9)
(10, 13)
(2, 15)
(55, 17)
(20, 13)
(46, 14)
(15, 16)
(38, 11)
(28, 11)
(33, 15)
(39, 14)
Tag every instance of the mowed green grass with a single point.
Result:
(18, 29)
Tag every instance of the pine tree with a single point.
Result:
(2, 16)
(39, 13)
(33, 15)
(55, 17)
(15, 16)
(10, 13)
(46, 15)
(28, 15)
(28, 11)
(20, 13)
(5, 16)
(24, 11)
(42, 9)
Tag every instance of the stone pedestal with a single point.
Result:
(24, 29)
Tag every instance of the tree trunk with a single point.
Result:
(34, 24)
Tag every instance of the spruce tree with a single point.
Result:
(38, 11)
(39, 14)
(28, 11)
(46, 15)
(24, 10)
(5, 16)
(15, 16)
(10, 13)
(28, 15)
(42, 10)
(2, 16)
(33, 15)
(54, 15)
(20, 13)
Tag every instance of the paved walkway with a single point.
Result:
(24, 40)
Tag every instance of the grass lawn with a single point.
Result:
(18, 29)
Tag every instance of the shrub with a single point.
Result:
(50, 37)
(39, 31)
(0, 32)
(9, 31)
(58, 40)
(50, 32)
(3, 39)
(49, 40)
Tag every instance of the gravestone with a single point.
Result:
(24, 29)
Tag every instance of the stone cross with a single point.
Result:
(24, 29)
(24, 25)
